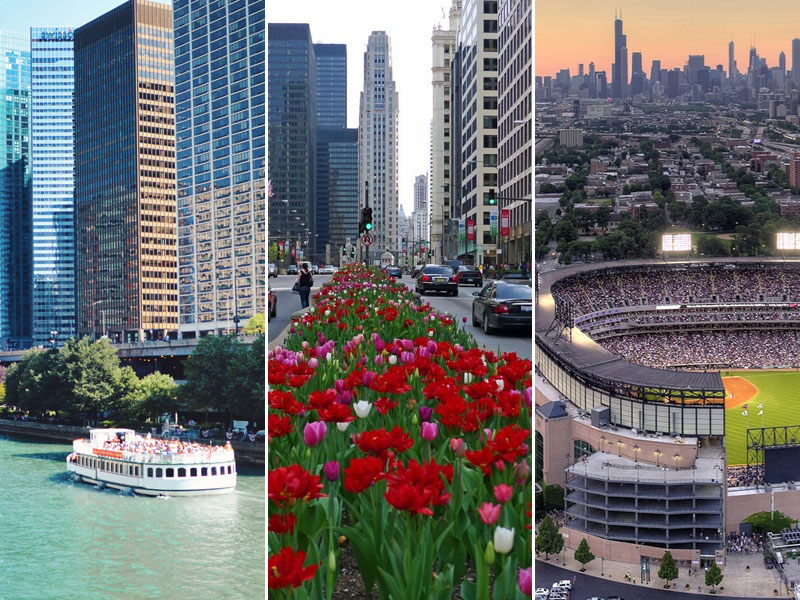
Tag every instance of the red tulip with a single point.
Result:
(489, 513)
(503, 492)
(286, 569)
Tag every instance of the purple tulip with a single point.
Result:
(339, 385)
(429, 431)
(379, 360)
(368, 377)
(464, 319)
(331, 470)
(423, 353)
(379, 345)
(408, 345)
(525, 581)
(407, 357)
(432, 346)
(314, 432)
(425, 413)
(529, 396)
(346, 397)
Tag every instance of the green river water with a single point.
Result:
(62, 540)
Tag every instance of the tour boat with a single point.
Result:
(123, 460)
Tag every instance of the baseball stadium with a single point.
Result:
(668, 401)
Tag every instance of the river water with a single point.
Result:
(65, 540)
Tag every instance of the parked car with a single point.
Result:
(437, 278)
(328, 270)
(415, 271)
(273, 270)
(564, 583)
(768, 562)
(292, 270)
(541, 593)
(395, 272)
(315, 269)
(470, 274)
(453, 263)
(272, 300)
(503, 304)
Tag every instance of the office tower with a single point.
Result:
(337, 190)
(580, 69)
(16, 288)
(619, 71)
(421, 207)
(655, 71)
(291, 75)
(731, 62)
(444, 51)
(52, 164)
(515, 129)
(125, 243)
(331, 91)
(673, 81)
(378, 143)
(796, 61)
(794, 170)
(477, 40)
(636, 63)
(331, 85)
(220, 143)
(782, 62)
(637, 74)
(602, 84)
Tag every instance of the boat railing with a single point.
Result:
(170, 458)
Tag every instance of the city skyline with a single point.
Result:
(410, 26)
(668, 33)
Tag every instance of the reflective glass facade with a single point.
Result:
(126, 261)
(219, 87)
(337, 189)
(16, 288)
(52, 86)
(331, 63)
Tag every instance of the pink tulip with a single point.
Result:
(521, 472)
(429, 431)
(313, 363)
(529, 396)
(503, 492)
(331, 470)
(339, 385)
(489, 513)
(464, 319)
(525, 581)
(314, 432)
(458, 447)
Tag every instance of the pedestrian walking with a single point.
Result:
(305, 279)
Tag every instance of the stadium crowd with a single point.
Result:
(732, 349)
(744, 476)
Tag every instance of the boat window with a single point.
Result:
(181, 472)
(170, 472)
(135, 471)
(193, 472)
(159, 472)
(229, 470)
(213, 470)
(203, 471)
(149, 471)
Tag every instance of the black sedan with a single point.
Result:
(395, 272)
(292, 270)
(437, 278)
(470, 274)
(502, 304)
(272, 301)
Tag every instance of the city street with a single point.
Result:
(518, 341)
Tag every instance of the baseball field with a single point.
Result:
(777, 391)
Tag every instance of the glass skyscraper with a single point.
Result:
(16, 288)
(126, 263)
(331, 64)
(219, 108)
(337, 190)
(52, 86)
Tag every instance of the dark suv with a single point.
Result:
(437, 278)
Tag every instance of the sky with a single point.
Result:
(568, 32)
(409, 24)
(21, 15)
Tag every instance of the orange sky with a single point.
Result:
(568, 32)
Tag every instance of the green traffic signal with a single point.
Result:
(492, 197)
(368, 226)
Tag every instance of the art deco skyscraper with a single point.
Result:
(15, 200)
(52, 164)
(219, 123)
(378, 143)
(126, 251)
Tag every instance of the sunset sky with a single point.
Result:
(568, 32)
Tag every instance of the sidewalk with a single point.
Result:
(759, 582)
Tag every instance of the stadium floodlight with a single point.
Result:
(676, 242)
(788, 241)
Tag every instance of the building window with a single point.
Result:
(581, 449)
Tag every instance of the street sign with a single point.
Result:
(367, 239)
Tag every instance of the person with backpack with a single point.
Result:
(305, 279)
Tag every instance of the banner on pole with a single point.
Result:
(505, 218)
(470, 229)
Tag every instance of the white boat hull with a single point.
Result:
(151, 486)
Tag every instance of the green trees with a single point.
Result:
(583, 555)
(223, 374)
(548, 540)
(713, 575)
(668, 570)
(255, 325)
(766, 522)
(156, 394)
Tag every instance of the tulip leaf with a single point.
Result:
(468, 590)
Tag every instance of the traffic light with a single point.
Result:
(492, 197)
(368, 219)
(361, 226)
(344, 251)
(353, 252)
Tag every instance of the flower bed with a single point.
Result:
(391, 432)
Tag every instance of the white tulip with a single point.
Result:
(362, 408)
(467, 377)
(500, 383)
(343, 426)
(503, 540)
(392, 359)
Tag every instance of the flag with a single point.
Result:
(761, 412)
(744, 413)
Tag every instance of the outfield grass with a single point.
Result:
(778, 391)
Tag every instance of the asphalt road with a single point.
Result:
(587, 586)
(519, 340)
